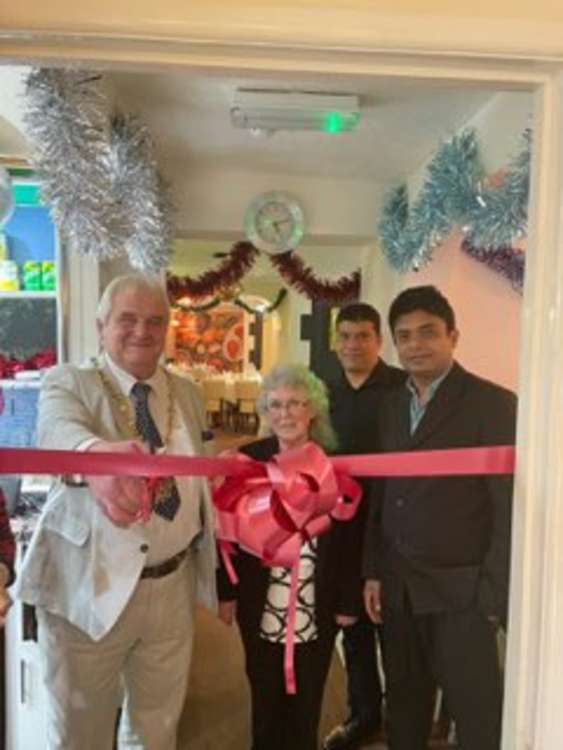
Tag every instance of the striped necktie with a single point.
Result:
(167, 506)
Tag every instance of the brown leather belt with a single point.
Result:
(164, 568)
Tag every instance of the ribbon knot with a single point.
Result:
(270, 508)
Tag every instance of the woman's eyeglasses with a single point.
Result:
(293, 406)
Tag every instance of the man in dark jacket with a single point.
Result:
(355, 399)
(438, 548)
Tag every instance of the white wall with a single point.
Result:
(380, 284)
(500, 125)
(213, 200)
(12, 139)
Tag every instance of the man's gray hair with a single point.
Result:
(137, 281)
(300, 376)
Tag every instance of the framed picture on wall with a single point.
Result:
(213, 338)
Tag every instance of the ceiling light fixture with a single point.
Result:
(266, 110)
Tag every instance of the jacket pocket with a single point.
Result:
(63, 518)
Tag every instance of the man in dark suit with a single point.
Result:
(354, 401)
(438, 548)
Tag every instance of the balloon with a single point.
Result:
(6, 197)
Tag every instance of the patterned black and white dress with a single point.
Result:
(273, 626)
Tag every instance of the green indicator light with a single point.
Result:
(333, 122)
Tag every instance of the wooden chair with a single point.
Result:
(213, 398)
(246, 418)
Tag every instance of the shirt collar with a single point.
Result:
(432, 388)
(126, 381)
(371, 378)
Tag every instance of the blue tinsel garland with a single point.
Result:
(453, 194)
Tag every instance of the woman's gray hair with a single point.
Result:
(299, 376)
(137, 281)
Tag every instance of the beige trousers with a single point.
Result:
(142, 663)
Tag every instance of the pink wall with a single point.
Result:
(487, 311)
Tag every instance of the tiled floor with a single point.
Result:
(216, 713)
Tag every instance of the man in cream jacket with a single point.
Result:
(114, 595)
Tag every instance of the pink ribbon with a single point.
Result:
(497, 459)
(274, 508)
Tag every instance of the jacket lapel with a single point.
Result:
(402, 419)
(187, 407)
(118, 408)
(441, 406)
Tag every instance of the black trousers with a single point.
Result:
(364, 684)
(281, 721)
(456, 651)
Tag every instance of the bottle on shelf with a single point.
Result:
(9, 280)
(31, 275)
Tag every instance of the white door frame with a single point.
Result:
(534, 681)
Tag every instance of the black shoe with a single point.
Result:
(348, 736)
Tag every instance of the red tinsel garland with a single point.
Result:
(294, 271)
(9, 366)
(241, 259)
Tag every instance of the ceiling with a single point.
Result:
(401, 122)
(188, 114)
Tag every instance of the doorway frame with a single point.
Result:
(534, 673)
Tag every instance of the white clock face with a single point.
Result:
(274, 222)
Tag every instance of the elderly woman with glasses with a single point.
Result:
(295, 404)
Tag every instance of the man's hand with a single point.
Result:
(372, 600)
(344, 621)
(119, 497)
(227, 612)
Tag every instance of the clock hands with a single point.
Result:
(278, 224)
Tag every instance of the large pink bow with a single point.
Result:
(273, 507)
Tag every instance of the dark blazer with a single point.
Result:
(337, 574)
(445, 540)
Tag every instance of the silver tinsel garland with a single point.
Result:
(142, 193)
(97, 173)
(453, 194)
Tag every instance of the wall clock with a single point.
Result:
(274, 222)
